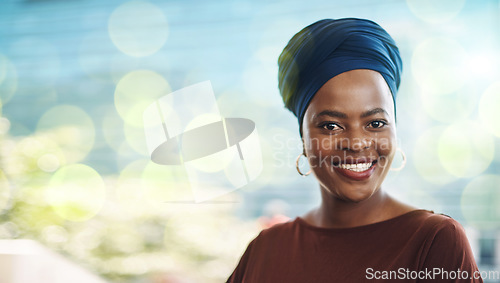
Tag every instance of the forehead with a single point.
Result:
(353, 92)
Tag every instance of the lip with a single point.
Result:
(357, 176)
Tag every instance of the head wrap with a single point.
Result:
(328, 48)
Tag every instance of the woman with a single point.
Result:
(340, 78)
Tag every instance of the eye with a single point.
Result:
(330, 126)
(377, 124)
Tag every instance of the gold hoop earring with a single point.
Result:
(403, 163)
(297, 166)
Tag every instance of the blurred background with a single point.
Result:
(76, 181)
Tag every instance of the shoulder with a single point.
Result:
(260, 249)
(270, 237)
(277, 232)
(440, 225)
(430, 222)
(441, 240)
(447, 233)
(432, 230)
(446, 246)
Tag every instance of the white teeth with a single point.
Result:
(360, 167)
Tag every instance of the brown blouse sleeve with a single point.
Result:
(450, 258)
(239, 272)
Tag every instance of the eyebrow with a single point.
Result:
(337, 114)
(331, 113)
(373, 112)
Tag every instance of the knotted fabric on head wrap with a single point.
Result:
(328, 48)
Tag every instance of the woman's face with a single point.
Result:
(349, 134)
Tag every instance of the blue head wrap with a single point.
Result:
(328, 48)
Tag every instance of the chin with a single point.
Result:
(354, 195)
(356, 198)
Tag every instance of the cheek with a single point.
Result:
(315, 145)
(319, 152)
(386, 148)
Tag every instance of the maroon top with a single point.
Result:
(418, 245)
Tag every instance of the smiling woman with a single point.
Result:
(340, 78)
(349, 136)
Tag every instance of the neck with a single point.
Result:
(338, 213)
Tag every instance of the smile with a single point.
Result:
(357, 171)
(360, 167)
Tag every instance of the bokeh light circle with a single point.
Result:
(459, 105)
(71, 128)
(435, 11)
(4, 124)
(128, 189)
(126, 154)
(426, 155)
(76, 192)
(466, 149)
(138, 28)
(489, 106)
(121, 64)
(480, 202)
(143, 187)
(27, 153)
(135, 92)
(165, 183)
(112, 129)
(48, 162)
(136, 139)
(439, 65)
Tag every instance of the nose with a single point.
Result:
(356, 142)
